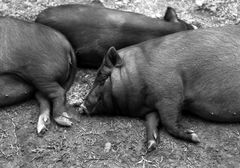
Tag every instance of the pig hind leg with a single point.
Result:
(57, 95)
(44, 117)
(169, 113)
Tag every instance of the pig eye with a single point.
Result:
(101, 78)
(101, 83)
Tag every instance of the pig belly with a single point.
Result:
(214, 112)
(14, 90)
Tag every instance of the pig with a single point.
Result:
(93, 29)
(36, 60)
(195, 71)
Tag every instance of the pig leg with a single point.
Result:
(44, 117)
(54, 92)
(152, 120)
(169, 110)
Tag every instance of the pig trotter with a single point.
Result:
(182, 134)
(169, 112)
(63, 120)
(194, 136)
(44, 117)
(152, 145)
(57, 95)
(152, 120)
(43, 121)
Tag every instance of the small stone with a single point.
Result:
(107, 147)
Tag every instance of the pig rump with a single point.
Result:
(36, 59)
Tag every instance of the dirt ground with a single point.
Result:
(116, 142)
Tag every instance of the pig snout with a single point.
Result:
(194, 27)
(83, 109)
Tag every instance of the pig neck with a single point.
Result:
(152, 27)
(126, 90)
(118, 95)
(161, 27)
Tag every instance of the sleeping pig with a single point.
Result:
(36, 59)
(197, 70)
(92, 29)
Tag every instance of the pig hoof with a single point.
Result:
(64, 121)
(42, 131)
(152, 145)
(65, 114)
(194, 136)
(43, 121)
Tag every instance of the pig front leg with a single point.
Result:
(168, 110)
(152, 120)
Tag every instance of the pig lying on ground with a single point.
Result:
(37, 58)
(198, 71)
(107, 26)
(92, 29)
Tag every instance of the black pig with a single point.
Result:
(92, 29)
(37, 58)
(198, 71)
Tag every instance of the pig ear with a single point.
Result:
(171, 15)
(97, 3)
(112, 58)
